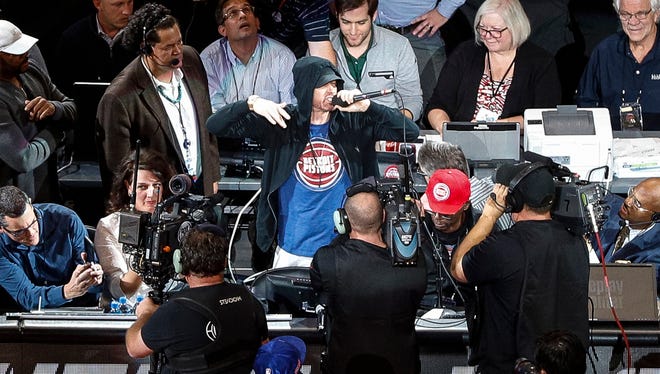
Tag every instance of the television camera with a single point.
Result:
(402, 225)
(151, 239)
(579, 204)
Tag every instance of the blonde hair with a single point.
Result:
(514, 17)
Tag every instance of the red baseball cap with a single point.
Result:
(447, 191)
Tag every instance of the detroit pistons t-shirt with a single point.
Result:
(309, 197)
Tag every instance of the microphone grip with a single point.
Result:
(336, 100)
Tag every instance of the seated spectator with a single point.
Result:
(370, 304)
(282, 355)
(34, 115)
(154, 172)
(631, 232)
(90, 50)
(622, 71)
(243, 62)
(213, 326)
(364, 48)
(500, 76)
(43, 258)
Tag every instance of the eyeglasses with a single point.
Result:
(494, 33)
(21, 232)
(635, 202)
(625, 16)
(233, 13)
(170, 47)
(441, 217)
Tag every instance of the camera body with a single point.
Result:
(573, 201)
(151, 239)
(402, 226)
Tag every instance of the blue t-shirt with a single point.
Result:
(309, 197)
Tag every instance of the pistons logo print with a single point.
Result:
(319, 166)
(441, 192)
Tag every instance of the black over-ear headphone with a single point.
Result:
(145, 48)
(148, 26)
(514, 199)
(342, 224)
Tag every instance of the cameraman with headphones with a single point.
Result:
(531, 278)
(211, 327)
(370, 304)
(631, 232)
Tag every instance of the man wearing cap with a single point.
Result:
(447, 217)
(531, 278)
(212, 327)
(282, 355)
(370, 304)
(313, 151)
(33, 117)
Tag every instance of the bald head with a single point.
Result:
(365, 212)
(643, 202)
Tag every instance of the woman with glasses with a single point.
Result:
(154, 171)
(499, 76)
(623, 73)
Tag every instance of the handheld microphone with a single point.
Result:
(336, 100)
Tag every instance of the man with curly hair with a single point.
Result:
(161, 98)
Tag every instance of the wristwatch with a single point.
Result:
(250, 102)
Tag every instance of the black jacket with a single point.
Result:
(353, 134)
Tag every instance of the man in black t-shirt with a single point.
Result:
(531, 278)
(371, 305)
(211, 327)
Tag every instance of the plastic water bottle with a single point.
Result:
(114, 307)
(124, 307)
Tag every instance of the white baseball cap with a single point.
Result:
(12, 40)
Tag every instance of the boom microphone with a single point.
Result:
(336, 100)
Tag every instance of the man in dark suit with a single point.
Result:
(161, 99)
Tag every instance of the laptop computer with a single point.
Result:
(486, 145)
(633, 290)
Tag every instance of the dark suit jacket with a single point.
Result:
(131, 109)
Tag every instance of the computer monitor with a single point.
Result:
(580, 139)
(486, 145)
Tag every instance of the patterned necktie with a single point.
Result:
(621, 237)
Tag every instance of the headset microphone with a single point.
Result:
(336, 100)
(175, 62)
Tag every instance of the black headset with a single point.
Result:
(655, 217)
(514, 199)
(342, 224)
(149, 26)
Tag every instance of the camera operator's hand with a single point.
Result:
(354, 106)
(273, 112)
(496, 204)
(84, 276)
(146, 307)
(39, 108)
